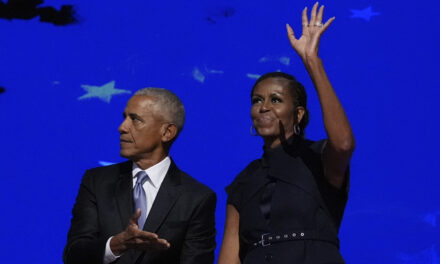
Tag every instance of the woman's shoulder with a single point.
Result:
(253, 165)
(316, 146)
(246, 174)
(244, 184)
(248, 171)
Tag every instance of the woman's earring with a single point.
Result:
(253, 131)
(296, 129)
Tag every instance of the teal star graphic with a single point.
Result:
(104, 92)
(365, 14)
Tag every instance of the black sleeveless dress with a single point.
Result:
(285, 198)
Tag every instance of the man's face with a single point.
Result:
(141, 130)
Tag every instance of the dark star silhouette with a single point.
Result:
(28, 9)
(220, 12)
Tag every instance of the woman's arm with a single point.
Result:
(230, 245)
(340, 145)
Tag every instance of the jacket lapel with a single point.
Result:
(166, 197)
(124, 193)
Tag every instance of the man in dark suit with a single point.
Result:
(149, 191)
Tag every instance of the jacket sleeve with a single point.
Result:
(83, 242)
(199, 244)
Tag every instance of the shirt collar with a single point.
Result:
(156, 173)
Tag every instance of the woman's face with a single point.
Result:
(272, 102)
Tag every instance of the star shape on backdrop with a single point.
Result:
(198, 75)
(365, 13)
(105, 163)
(103, 92)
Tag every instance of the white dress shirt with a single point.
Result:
(156, 174)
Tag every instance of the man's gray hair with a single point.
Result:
(170, 106)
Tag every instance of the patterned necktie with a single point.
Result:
(140, 199)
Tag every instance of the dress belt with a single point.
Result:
(274, 238)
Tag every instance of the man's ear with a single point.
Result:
(169, 132)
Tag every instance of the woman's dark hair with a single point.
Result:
(297, 91)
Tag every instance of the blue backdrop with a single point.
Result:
(66, 87)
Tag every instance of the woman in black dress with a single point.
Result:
(287, 206)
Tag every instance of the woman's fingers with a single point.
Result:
(305, 20)
(320, 14)
(309, 40)
(327, 24)
(313, 14)
(291, 35)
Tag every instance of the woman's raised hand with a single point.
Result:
(307, 45)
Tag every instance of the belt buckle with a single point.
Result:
(262, 241)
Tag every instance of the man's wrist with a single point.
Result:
(109, 255)
(117, 245)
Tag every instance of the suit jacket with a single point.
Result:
(182, 213)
